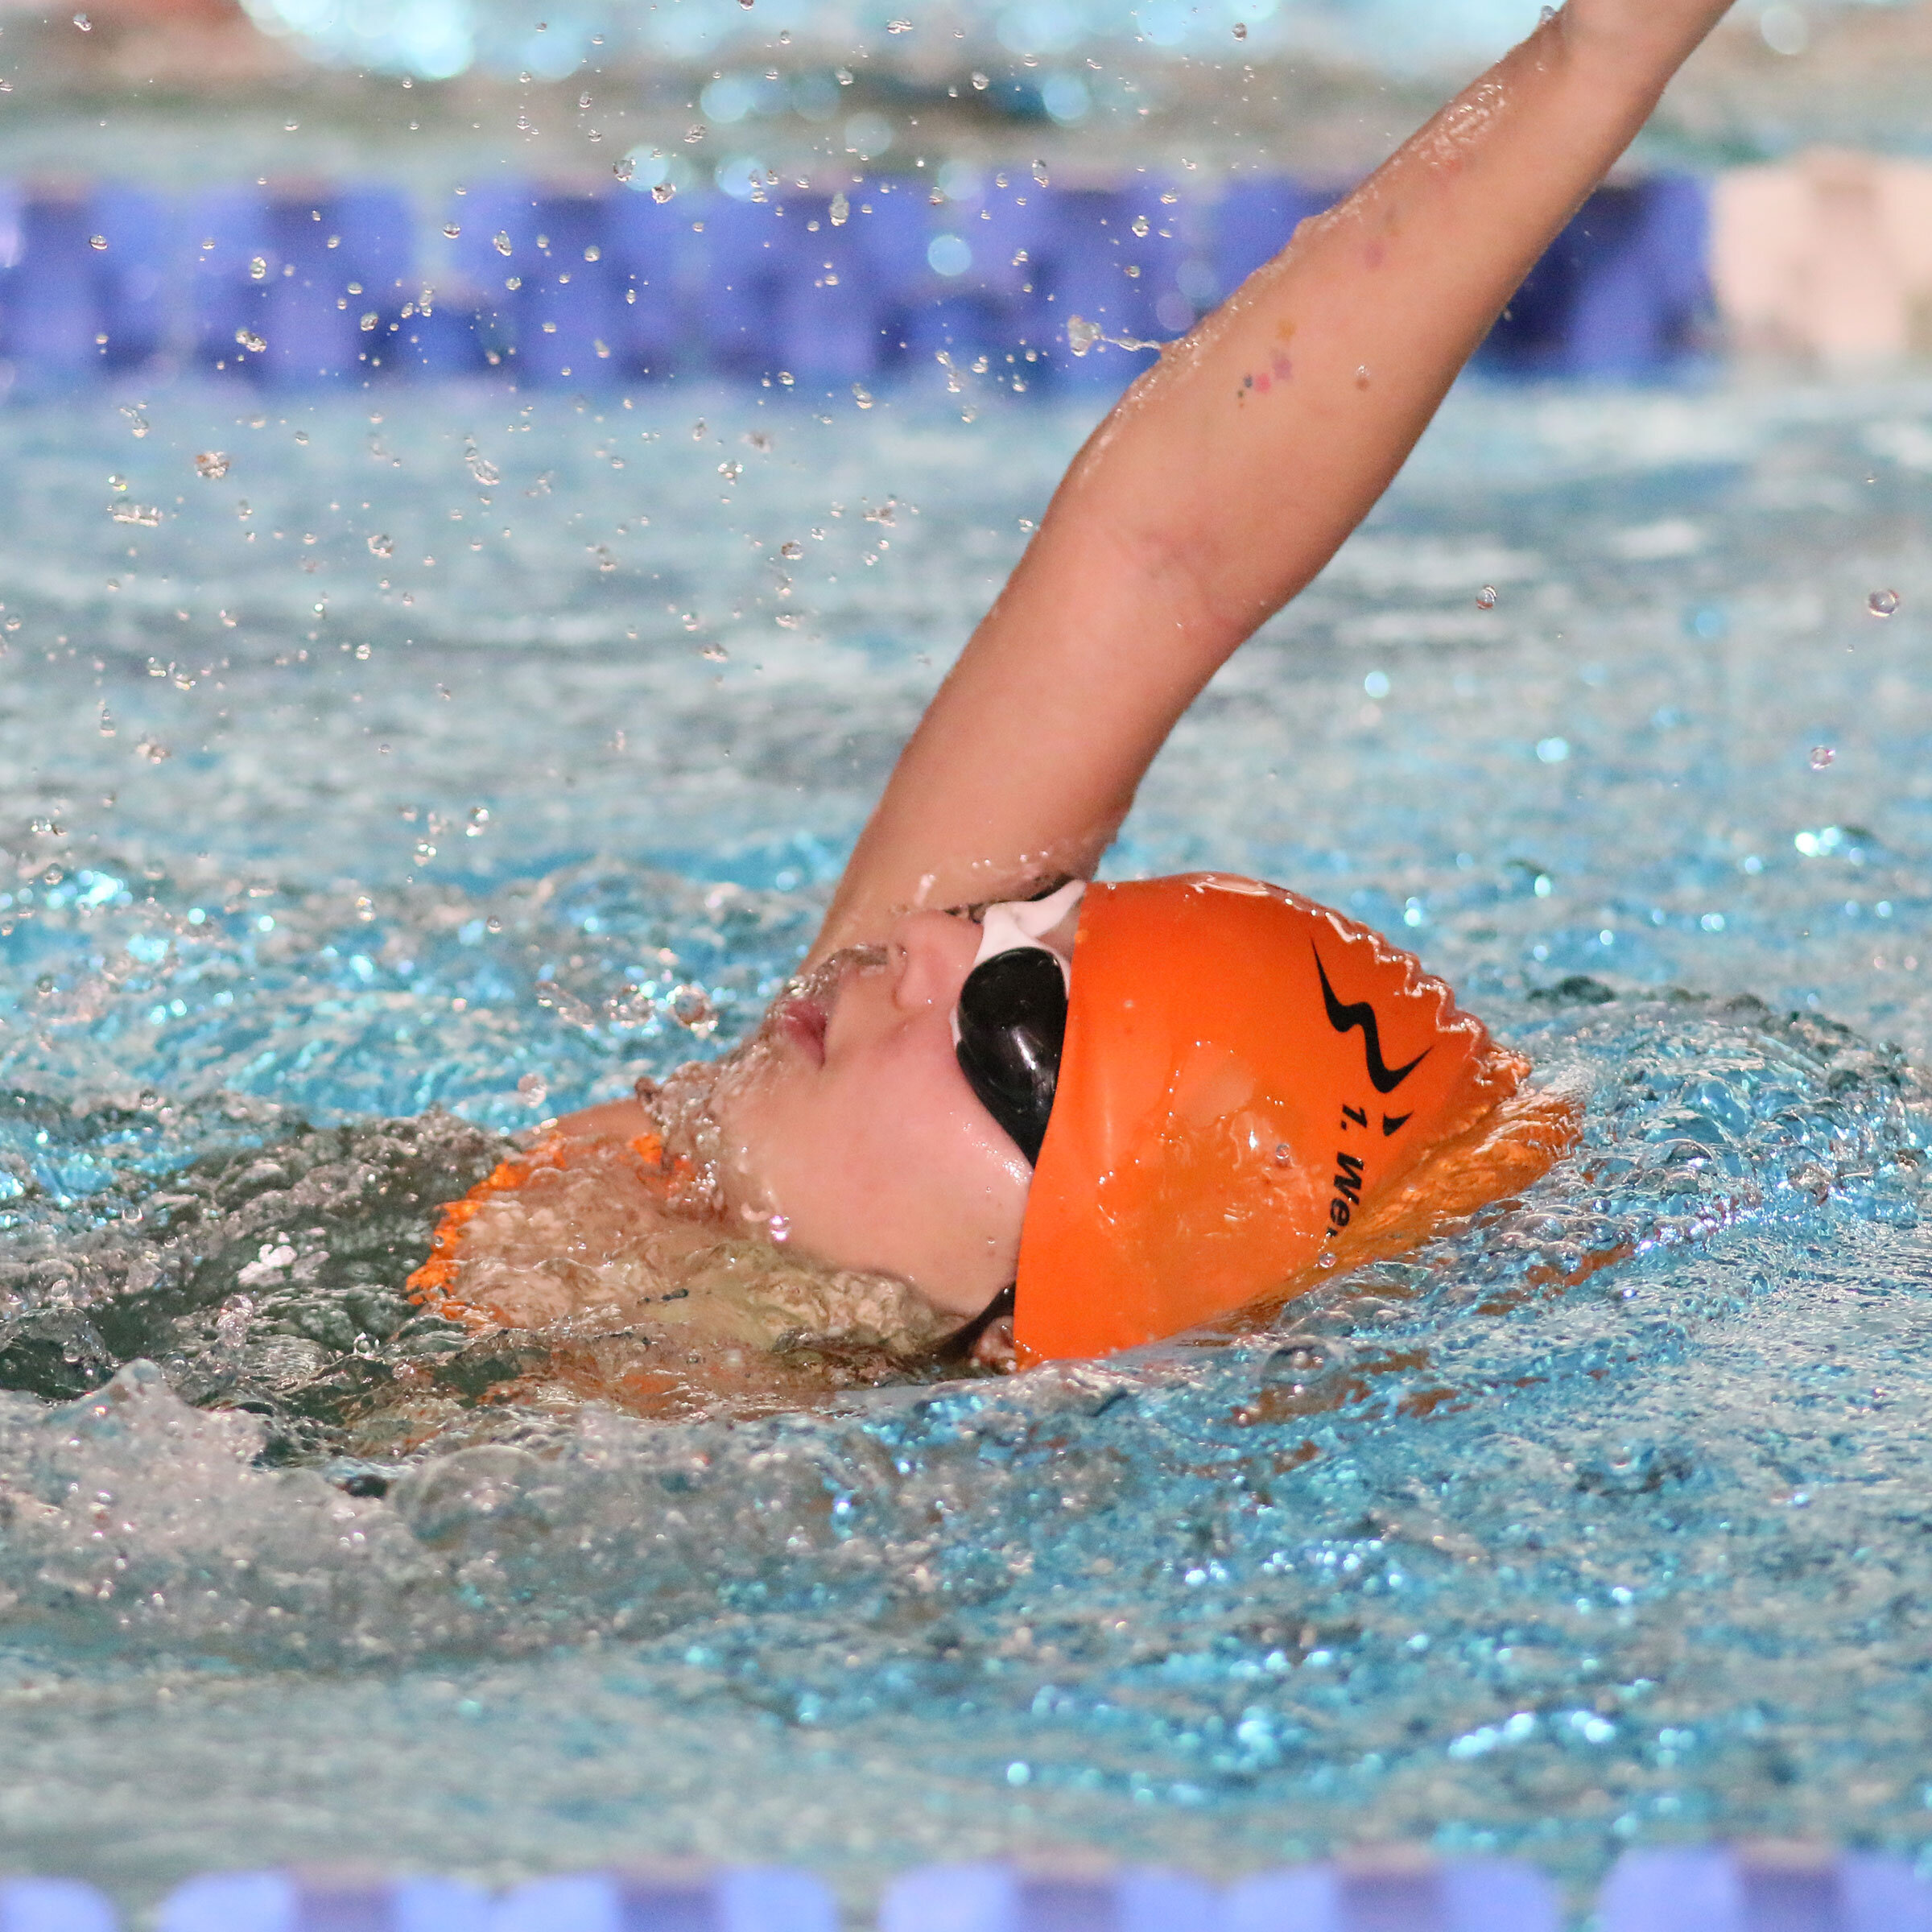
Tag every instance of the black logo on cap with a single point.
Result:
(1346, 1018)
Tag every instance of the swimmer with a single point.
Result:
(1004, 1109)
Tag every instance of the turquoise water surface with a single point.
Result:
(327, 865)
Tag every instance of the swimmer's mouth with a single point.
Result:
(803, 1021)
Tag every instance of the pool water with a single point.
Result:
(1600, 1521)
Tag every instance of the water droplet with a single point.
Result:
(1485, 598)
(1082, 335)
(715, 654)
(258, 268)
(1882, 603)
(382, 547)
(532, 1090)
(593, 253)
(250, 340)
(899, 26)
(981, 82)
(861, 395)
(85, 25)
(841, 210)
(662, 193)
(1140, 225)
(1823, 755)
(791, 551)
(479, 821)
(1240, 30)
(1039, 172)
(500, 241)
(212, 464)
(369, 320)
(623, 169)
(97, 241)
(453, 229)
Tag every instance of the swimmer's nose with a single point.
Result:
(931, 955)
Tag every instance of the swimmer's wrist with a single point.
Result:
(1642, 43)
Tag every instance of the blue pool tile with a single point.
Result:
(748, 1898)
(53, 1905)
(297, 1901)
(1763, 1888)
(1006, 1898)
(1477, 1895)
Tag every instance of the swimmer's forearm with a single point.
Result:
(1238, 466)
(1232, 472)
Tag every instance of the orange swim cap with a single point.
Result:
(1246, 1075)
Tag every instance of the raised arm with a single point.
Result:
(1230, 473)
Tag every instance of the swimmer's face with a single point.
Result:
(852, 1121)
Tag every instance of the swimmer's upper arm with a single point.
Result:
(1232, 470)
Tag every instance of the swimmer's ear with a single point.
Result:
(995, 1348)
(963, 1344)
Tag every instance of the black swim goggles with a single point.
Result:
(1010, 1023)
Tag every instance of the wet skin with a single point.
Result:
(855, 1137)
(860, 1133)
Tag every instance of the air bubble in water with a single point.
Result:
(1823, 755)
(249, 340)
(500, 241)
(1240, 30)
(1039, 172)
(1140, 225)
(212, 464)
(97, 241)
(662, 191)
(624, 168)
(479, 821)
(1485, 598)
(382, 547)
(841, 210)
(258, 268)
(791, 551)
(453, 229)
(1882, 603)
(532, 1090)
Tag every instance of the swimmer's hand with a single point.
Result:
(1234, 468)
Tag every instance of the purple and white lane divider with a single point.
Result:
(1751, 1887)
